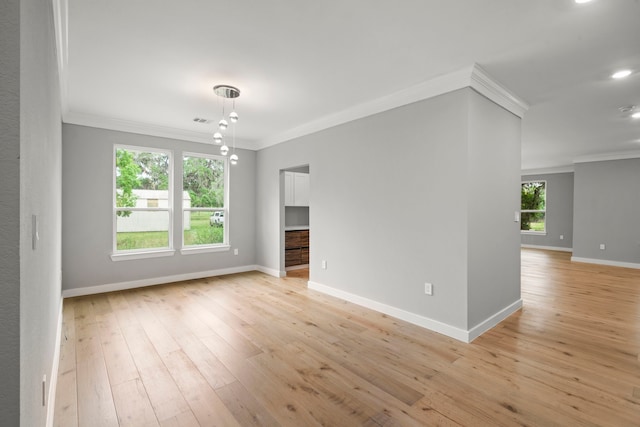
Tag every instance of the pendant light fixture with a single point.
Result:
(227, 92)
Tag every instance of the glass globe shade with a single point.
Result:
(233, 159)
(233, 117)
(217, 138)
(222, 124)
(224, 150)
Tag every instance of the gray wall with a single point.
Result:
(493, 198)
(10, 211)
(389, 206)
(296, 215)
(559, 215)
(40, 188)
(606, 210)
(30, 153)
(87, 212)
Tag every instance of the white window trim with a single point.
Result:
(217, 247)
(534, 232)
(139, 254)
(117, 255)
(201, 249)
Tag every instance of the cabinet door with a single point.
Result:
(292, 257)
(288, 189)
(301, 189)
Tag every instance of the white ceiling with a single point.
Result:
(146, 64)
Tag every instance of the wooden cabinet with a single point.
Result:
(296, 247)
(296, 189)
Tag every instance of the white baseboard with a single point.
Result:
(270, 271)
(99, 289)
(416, 319)
(606, 262)
(549, 248)
(492, 321)
(296, 267)
(53, 375)
(422, 321)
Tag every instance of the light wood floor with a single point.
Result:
(250, 349)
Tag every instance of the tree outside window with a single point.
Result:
(533, 206)
(142, 211)
(204, 217)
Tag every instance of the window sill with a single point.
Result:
(204, 249)
(534, 233)
(126, 256)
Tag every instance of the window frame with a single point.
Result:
(544, 211)
(120, 255)
(214, 247)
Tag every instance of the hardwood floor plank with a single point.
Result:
(186, 419)
(251, 349)
(340, 384)
(66, 409)
(244, 407)
(117, 356)
(164, 395)
(132, 405)
(95, 401)
(207, 407)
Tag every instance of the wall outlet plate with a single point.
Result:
(428, 288)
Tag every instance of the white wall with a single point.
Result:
(86, 223)
(389, 207)
(10, 211)
(606, 211)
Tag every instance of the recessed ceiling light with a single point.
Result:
(636, 115)
(621, 74)
(582, 1)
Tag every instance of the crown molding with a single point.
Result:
(473, 76)
(487, 86)
(145, 129)
(428, 89)
(608, 156)
(546, 171)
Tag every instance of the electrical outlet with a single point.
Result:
(428, 288)
(235, 251)
(324, 264)
(602, 246)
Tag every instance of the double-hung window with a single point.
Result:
(142, 201)
(533, 208)
(205, 223)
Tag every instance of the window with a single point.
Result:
(204, 207)
(533, 204)
(142, 200)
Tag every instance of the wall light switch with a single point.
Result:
(516, 217)
(562, 237)
(602, 246)
(235, 251)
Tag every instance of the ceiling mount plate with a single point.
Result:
(226, 91)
